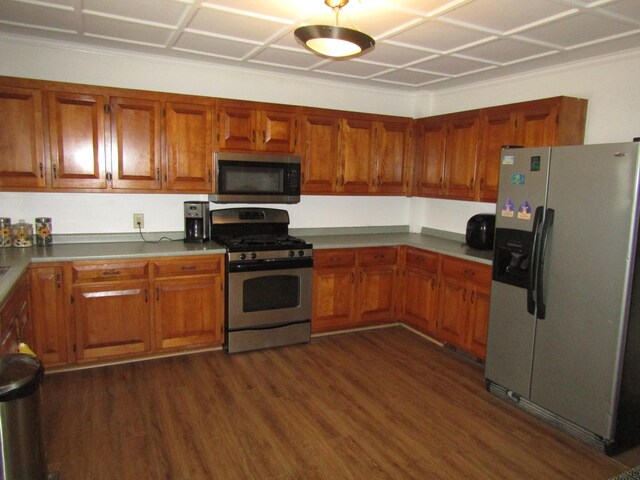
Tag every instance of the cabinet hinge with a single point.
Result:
(107, 108)
(75, 349)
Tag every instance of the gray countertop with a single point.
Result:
(19, 259)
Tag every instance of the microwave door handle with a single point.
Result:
(533, 263)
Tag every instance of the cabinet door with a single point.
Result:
(391, 148)
(376, 293)
(135, 144)
(461, 155)
(498, 128)
(278, 131)
(112, 319)
(334, 289)
(236, 128)
(22, 162)
(419, 299)
(476, 342)
(319, 163)
(356, 155)
(77, 136)
(431, 153)
(189, 147)
(188, 311)
(536, 124)
(48, 315)
(452, 310)
(15, 324)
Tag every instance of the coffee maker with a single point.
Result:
(196, 222)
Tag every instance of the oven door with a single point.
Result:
(269, 295)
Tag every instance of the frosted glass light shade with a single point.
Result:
(334, 42)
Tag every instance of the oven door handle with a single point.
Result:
(265, 265)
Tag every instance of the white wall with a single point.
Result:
(610, 84)
(100, 213)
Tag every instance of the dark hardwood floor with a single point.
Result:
(380, 404)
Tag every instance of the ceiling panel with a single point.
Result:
(422, 45)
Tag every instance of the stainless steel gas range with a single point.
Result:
(268, 280)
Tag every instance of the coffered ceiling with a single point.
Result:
(421, 45)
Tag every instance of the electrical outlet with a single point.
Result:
(138, 220)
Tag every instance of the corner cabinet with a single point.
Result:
(419, 289)
(551, 121)
(458, 154)
(15, 323)
(354, 287)
(49, 313)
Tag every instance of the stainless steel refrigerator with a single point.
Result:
(564, 329)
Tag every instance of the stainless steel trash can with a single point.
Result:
(22, 453)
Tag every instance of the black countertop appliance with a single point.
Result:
(480, 229)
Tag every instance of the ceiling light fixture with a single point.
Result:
(334, 42)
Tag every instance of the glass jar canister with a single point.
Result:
(5, 232)
(22, 233)
(43, 231)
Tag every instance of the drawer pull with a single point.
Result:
(111, 272)
(189, 267)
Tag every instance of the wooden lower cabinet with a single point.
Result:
(189, 300)
(353, 287)
(463, 304)
(419, 290)
(112, 319)
(49, 314)
(126, 308)
(15, 324)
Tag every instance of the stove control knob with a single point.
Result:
(291, 253)
(253, 255)
(243, 256)
(301, 253)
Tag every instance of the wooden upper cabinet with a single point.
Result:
(236, 128)
(136, 155)
(77, 126)
(319, 144)
(256, 127)
(546, 122)
(22, 161)
(392, 142)
(278, 130)
(357, 163)
(460, 155)
(498, 126)
(189, 139)
(429, 172)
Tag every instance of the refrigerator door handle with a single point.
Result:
(537, 220)
(548, 221)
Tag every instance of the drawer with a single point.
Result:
(192, 265)
(92, 272)
(422, 259)
(455, 267)
(334, 258)
(377, 256)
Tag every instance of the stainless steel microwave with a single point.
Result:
(256, 178)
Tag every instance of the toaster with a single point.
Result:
(480, 229)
